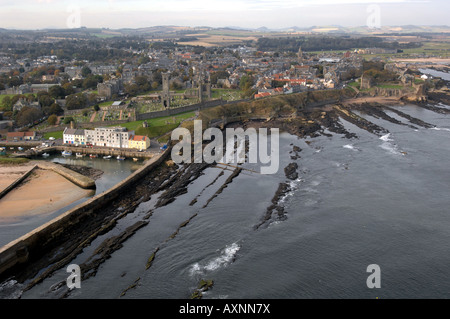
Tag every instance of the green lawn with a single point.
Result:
(107, 103)
(355, 84)
(158, 126)
(57, 134)
(390, 86)
(12, 160)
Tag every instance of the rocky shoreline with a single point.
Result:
(172, 180)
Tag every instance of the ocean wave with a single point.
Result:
(227, 255)
(386, 138)
(390, 147)
(293, 186)
(441, 129)
(350, 147)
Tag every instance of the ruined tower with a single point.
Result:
(300, 55)
(165, 93)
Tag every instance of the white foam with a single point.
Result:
(350, 147)
(386, 137)
(226, 257)
(390, 147)
(293, 186)
(441, 129)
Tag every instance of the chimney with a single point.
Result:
(72, 125)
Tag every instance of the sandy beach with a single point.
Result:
(43, 192)
(10, 173)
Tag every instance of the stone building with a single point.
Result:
(109, 88)
(367, 82)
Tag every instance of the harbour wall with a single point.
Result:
(37, 242)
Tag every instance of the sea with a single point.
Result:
(371, 200)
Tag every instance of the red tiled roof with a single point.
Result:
(20, 134)
(264, 94)
(139, 138)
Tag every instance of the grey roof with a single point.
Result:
(79, 132)
(70, 131)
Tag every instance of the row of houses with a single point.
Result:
(116, 137)
(20, 136)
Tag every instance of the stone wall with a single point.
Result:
(35, 243)
(189, 108)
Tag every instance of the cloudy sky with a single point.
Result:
(38, 14)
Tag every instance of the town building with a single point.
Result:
(21, 136)
(109, 88)
(108, 137)
(139, 142)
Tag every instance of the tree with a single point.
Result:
(56, 92)
(45, 99)
(68, 89)
(76, 101)
(55, 109)
(246, 82)
(143, 59)
(91, 81)
(219, 75)
(96, 108)
(52, 119)
(85, 71)
(68, 119)
(6, 103)
(132, 89)
(28, 115)
(175, 86)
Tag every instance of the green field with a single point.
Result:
(158, 126)
(11, 160)
(57, 134)
(390, 86)
(107, 103)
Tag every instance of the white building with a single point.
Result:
(74, 136)
(109, 137)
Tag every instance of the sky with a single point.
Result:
(274, 14)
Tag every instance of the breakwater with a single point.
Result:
(76, 178)
(16, 182)
(36, 243)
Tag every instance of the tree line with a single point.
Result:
(327, 43)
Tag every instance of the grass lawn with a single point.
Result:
(107, 103)
(11, 160)
(158, 126)
(390, 86)
(355, 84)
(57, 134)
